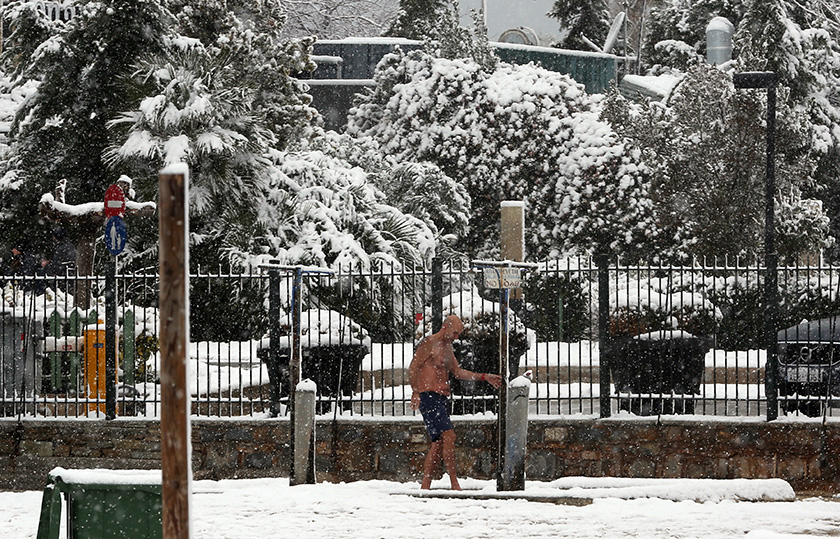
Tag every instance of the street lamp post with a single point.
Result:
(767, 80)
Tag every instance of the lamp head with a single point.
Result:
(755, 79)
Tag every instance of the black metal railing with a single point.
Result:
(598, 339)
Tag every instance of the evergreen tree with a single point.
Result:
(318, 210)
(416, 18)
(579, 19)
(678, 26)
(219, 108)
(30, 26)
(769, 39)
(800, 42)
(419, 189)
(61, 132)
(709, 198)
(516, 132)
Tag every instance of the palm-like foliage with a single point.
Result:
(198, 112)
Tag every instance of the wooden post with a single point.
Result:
(174, 340)
(513, 230)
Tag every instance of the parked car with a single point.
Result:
(809, 366)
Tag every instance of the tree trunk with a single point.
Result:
(85, 251)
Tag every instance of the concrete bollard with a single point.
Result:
(303, 449)
(516, 436)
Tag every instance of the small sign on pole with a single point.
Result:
(502, 277)
(114, 202)
(116, 235)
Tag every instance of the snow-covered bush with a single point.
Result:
(545, 291)
(673, 54)
(317, 210)
(420, 189)
(709, 198)
(323, 327)
(513, 132)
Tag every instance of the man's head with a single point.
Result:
(452, 327)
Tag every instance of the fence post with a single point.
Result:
(129, 348)
(274, 339)
(771, 295)
(437, 294)
(54, 331)
(75, 329)
(110, 338)
(603, 262)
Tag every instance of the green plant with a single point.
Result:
(557, 306)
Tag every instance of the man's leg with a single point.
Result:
(432, 458)
(448, 438)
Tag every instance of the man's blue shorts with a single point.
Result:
(435, 410)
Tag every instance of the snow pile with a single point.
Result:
(101, 476)
(699, 490)
(246, 508)
(323, 327)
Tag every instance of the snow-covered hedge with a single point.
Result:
(513, 132)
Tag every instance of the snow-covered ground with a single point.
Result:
(677, 508)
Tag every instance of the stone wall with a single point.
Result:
(806, 453)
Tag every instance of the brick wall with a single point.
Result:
(807, 454)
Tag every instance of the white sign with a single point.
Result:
(502, 277)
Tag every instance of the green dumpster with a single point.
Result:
(103, 504)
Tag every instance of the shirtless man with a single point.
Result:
(428, 374)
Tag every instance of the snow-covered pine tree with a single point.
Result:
(30, 26)
(196, 111)
(709, 197)
(219, 109)
(677, 31)
(800, 41)
(769, 39)
(424, 191)
(419, 189)
(61, 131)
(416, 18)
(319, 210)
(579, 19)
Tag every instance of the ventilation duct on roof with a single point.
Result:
(719, 41)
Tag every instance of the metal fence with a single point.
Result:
(596, 340)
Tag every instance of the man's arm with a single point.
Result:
(463, 374)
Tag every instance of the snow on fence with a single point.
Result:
(678, 340)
